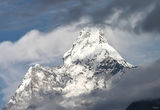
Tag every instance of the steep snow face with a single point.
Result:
(91, 64)
(91, 44)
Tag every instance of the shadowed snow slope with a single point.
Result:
(91, 64)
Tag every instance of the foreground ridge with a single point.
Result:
(91, 64)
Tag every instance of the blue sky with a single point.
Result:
(11, 35)
(40, 31)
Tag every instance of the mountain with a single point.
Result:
(91, 64)
(145, 105)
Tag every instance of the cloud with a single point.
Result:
(151, 22)
(34, 47)
(136, 48)
(49, 14)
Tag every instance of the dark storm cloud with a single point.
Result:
(128, 6)
(152, 21)
(48, 14)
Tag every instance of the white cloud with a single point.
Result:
(33, 47)
(136, 48)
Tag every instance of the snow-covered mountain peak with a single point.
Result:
(92, 35)
(92, 44)
(91, 64)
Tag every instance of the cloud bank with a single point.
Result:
(49, 14)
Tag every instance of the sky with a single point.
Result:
(41, 31)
